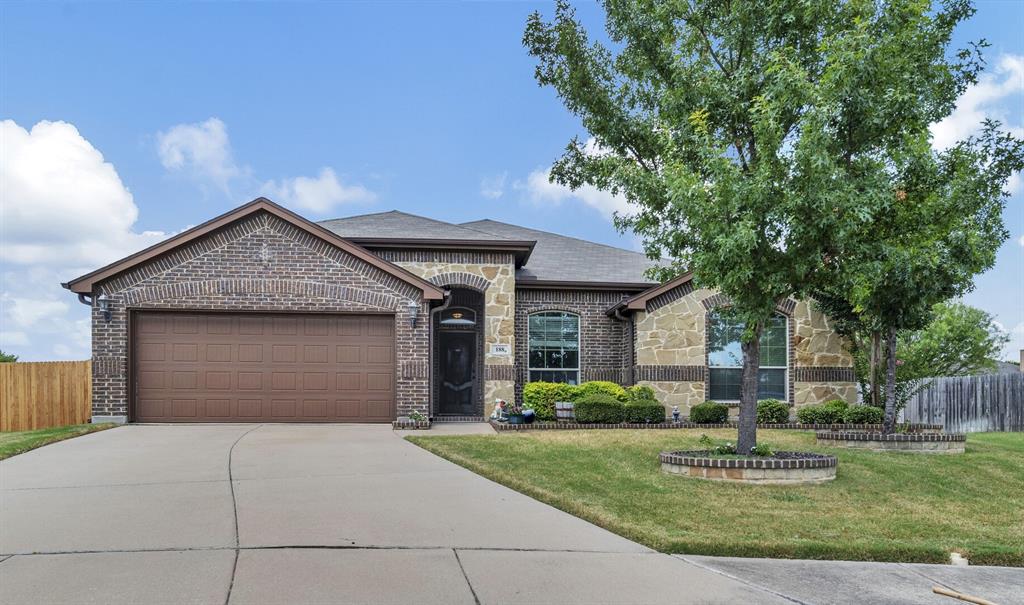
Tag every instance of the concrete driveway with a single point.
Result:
(311, 514)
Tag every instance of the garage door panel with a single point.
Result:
(266, 368)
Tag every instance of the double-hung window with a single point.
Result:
(554, 347)
(725, 358)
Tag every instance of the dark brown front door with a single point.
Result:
(219, 367)
(458, 373)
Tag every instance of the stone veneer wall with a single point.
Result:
(492, 273)
(259, 263)
(603, 355)
(670, 353)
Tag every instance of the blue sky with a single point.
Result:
(174, 113)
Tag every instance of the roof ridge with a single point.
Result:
(578, 239)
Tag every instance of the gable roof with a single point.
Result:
(395, 229)
(639, 302)
(573, 261)
(84, 284)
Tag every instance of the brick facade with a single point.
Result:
(259, 263)
(605, 342)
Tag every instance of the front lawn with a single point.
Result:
(881, 506)
(17, 442)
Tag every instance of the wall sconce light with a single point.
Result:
(103, 301)
(414, 312)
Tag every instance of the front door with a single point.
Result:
(457, 392)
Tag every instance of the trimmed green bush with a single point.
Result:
(863, 414)
(830, 412)
(541, 397)
(644, 411)
(640, 392)
(603, 387)
(599, 408)
(772, 411)
(709, 412)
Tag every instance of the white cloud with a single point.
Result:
(493, 187)
(64, 212)
(1020, 240)
(983, 100)
(317, 194)
(1013, 348)
(540, 189)
(202, 150)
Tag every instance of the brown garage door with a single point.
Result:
(263, 368)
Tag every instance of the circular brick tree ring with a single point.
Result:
(783, 468)
(915, 443)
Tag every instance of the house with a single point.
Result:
(262, 315)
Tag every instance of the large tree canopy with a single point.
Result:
(757, 142)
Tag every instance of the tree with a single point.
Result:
(755, 141)
(960, 340)
(7, 357)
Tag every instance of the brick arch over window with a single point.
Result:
(461, 280)
(245, 287)
(785, 306)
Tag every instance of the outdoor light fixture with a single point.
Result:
(104, 304)
(414, 312)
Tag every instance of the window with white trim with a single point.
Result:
(554, 347)
(725, 358)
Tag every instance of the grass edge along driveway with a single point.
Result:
(881, 507)
(18, 442)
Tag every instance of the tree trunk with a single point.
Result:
(747, 437)
(890, 382)
(876, 345)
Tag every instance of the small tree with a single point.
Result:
(7, 357)
(756, 141)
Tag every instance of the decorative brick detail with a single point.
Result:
(858, 436)
(786, 306)
(464, 280)
(504, 372)
(781, 460)
(671, 296)
(824, 374)
(912, 443)
(669, 373)
(259, 263)
(439, 256)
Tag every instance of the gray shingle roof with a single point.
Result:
(401, 225)
(555, 257)
(563, 258)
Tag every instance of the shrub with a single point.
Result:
(643, 411)
(541, 397)
(640, 392)
(709, 412)
(830, 412)
(863, 414)
(772, 411)
(600, 387)
(599, 408)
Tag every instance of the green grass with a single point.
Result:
(18, 442)
(880, 507)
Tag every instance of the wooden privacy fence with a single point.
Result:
(37, 395)
(971, 404)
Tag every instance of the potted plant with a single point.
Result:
(513, 412)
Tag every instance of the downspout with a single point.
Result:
(430, 344)
(630, 339)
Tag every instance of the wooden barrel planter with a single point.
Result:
(781, 468)
(915, 443)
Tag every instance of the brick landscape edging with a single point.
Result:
(400, 425)
(915, 443)
(793, 468)
(561, 426)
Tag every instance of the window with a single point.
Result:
(554, 347)
(725, 359)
